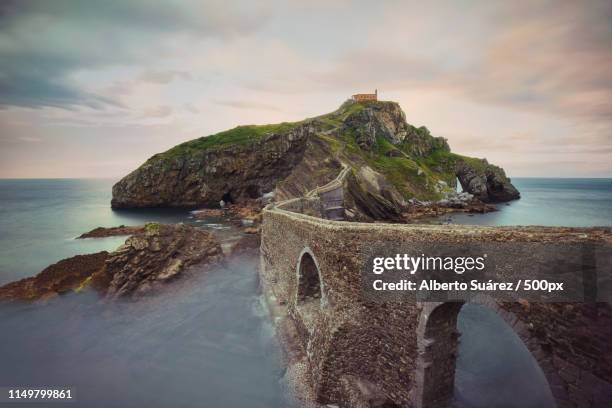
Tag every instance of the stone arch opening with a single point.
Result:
(309, 280)
(227, 198)
(458, 186)
(438, 346)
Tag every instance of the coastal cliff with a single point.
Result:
(392, 162)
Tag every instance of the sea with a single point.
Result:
(210, 342)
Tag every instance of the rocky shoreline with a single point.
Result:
(453, 203)
(67, 275)
(155, 255)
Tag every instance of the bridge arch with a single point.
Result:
(309, 282)
(437, 344)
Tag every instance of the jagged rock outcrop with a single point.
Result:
(147, 261)
(370, 195)
(150, 258)
(318, 166)
(292, 158)
(485, 181)
(64, 276)
(384, 120)
(387, 120)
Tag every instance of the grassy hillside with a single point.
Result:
(239, 135)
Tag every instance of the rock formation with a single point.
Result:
(148, 260)
(485, 181)
(391, 162)
(102, 232)
(221, 167)
(154, 256)
(64, 276)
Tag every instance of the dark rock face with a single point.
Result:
(485, 181)
(387, 120)
(239, 171)
(63, 276)
(159, 255)
(370, 203)
(317, 167)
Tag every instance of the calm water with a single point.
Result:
(205, 343)
(208, 342)
(549, 201)
(39, 220)
(494, 368)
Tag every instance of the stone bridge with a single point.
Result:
(357, 353)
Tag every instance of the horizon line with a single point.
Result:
(120, 177)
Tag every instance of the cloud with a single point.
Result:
(43, 44)
(555, 59)
(164, 77)
(17, 89)
(30, 139)
(191, 108)
(158, 112)
(499, 79)
(241, 104)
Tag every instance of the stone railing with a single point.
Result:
(325, 201)
(332, 185)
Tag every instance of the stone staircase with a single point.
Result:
(331, 197)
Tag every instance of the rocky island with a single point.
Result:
(391, 162)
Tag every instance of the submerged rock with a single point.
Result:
(247, 244)
(208, 212)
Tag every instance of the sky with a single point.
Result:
(94, 88)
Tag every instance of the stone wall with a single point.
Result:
(403, 354)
